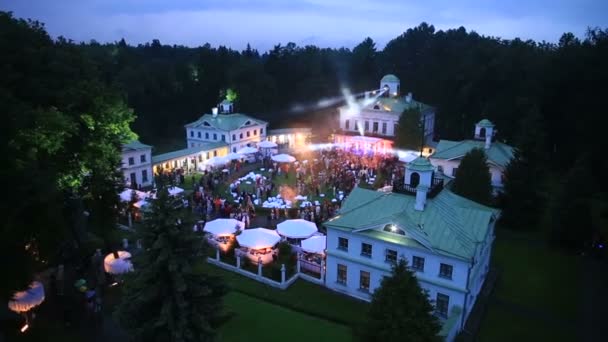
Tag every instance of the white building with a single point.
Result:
(446, 239)
(448, 154)
(235, 129)
(190, 159)
(377, 115)
(137, 164)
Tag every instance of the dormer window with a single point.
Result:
(247, 123)
(391, 228)
(206, 123)
(376, 107)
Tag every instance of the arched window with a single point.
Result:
(391, 228)
(414, 179)
(482, 132)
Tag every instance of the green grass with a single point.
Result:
(301, 296)
(256, 320)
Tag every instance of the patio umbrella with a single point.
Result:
(24, 301)
(267, 144)
(247, 150)
(233, 156)
(297, 229)
(258, 238)
(315, 244)
(223, 227)
(120, 265)
(216, 161)
(174, 190)
(127, 194)
(283, 158)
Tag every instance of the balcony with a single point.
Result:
(400, 187)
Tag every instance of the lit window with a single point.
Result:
(445, 271)
(364, 281)
(342, 271)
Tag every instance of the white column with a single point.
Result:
(238, 261)
(298, 263)
(217, 254)
(282, 273)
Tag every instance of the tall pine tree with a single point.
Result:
(473, 179)
(167, 298)
(400, 310)
(409, 130)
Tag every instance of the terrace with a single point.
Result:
(400, 187)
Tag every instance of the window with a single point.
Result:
(255, 132)
(207, 155)
(366, 249)
(234, 150)
(367, 126)
(214, 136)
(233, 137)
(384, 128)
(341, 274)
(206, 135)
(247, 123)
(395, 129)
(356, 125)
(206, 123)
(391, 256)
(247, 134)
(144, 176)
(442, 303)
(375, 127)
(364, 281)
(200, 158)
(418, 263)
(199, 134)
(215, 153)
(223, 137)
(393, 229)
(191, 134)
(343, 243)
(445, 271)
(131, 161)
(261, 131)
(142, 158)
(241, 136)
(454, 170)
(347, 124)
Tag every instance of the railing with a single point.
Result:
(400, 187)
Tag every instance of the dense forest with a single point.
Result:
(66, 113)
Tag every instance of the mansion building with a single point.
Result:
(372, 124)
(446, 239)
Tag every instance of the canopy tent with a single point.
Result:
(24, 301)
(267, 144)
(216, 161)
(120, 265)
(175, 191)
(283, 158)
(297, 229)
(247, 150)
(233, 156)
(127, 195)
(258, 238)
(315, 244)
(223, 227)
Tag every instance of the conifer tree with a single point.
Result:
(473, 179)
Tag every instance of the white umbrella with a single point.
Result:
(120, 265)
(216, 161)
(258, 238)
(24, 301)
(175, 191)
(297, 229)
(233, 156)
(315, 244)
(223, 227)
(247, 150)
(127, 194)
(267, 144)
(283, 158)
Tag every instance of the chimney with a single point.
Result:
(214, 111)
(408, 98)
(488, 140)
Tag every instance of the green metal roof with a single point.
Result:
(449, 225)
(135, 145)
(389, 78)
(498, 153)
(187, 151)
(224, 122)
(420, 164)
(485, 123)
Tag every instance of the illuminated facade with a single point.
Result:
(292, 138)
(137, 164)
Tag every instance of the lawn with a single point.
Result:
(256, 320)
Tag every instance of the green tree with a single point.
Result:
(473, 179)
(409, 130)
(171, 299)
(400, 310)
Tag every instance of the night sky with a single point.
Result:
(326, 23)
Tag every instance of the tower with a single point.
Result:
(393, 84)
(419, 175)
(226, 107)
(484, 130)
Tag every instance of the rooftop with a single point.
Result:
(389, 78)
(499, 153)
(485, 123)
(396, 105)
(187, 151)
(450, 225)
(224, 122)
(135, 145)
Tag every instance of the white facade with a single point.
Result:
(137, 164)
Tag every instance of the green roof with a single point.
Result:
(420, 164)
(224, 122)
(389, 78)
(498, 153)
(397, 105)
(485, 123)
(187, 151)
(450, 225)
(135, 145)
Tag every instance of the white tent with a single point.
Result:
(223, 227)
(267, 144)
(24, 301)
(297, 229)
(216, 161)
(258, 238)
(408, 156)
(126, 195)
(233, 156)
(247, 150)
(283, 158)
(120, 265)
(315, 244)
(175, 191)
